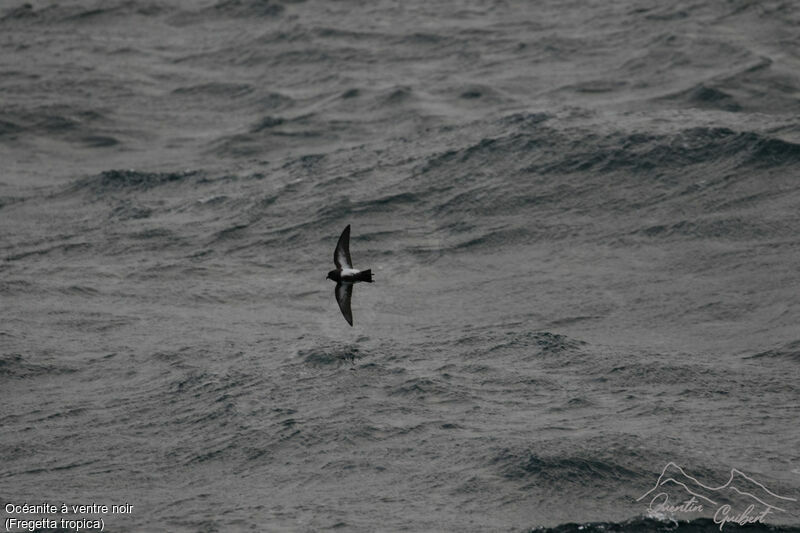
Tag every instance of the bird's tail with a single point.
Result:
(364, 275)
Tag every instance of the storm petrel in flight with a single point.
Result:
(345, 275)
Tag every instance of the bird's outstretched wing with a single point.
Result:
(341, 256)
(344, 292)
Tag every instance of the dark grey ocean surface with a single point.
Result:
(583, 219)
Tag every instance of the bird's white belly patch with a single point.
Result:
(347, 272)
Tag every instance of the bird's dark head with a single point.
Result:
(334, 275)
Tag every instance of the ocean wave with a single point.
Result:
(215, 89)
(650, 525)
(64, 248)
(234, 9)
(547, 150)
(789, 351)
(528, 465)
(719, 227)
(17, 366)
(325, 356)
(637, 152)
(10, 200)
(121, 180)
(756, 84)
(660, 373)
(17, 287)
(90, 128)
(56, 13)
(706, 97)
(431, 389)
(248, 8)
(541, 172)
(126, 210)
(9, 129)
(545, 342)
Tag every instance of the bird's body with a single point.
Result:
(345, 275)
(349, 273)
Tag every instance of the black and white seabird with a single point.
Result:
(345, 275)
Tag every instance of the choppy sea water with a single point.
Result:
(582, 218)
